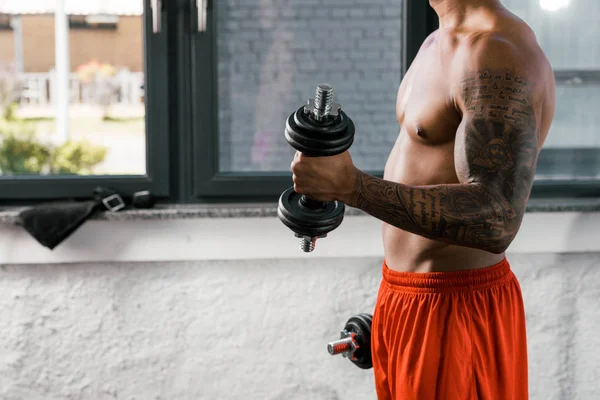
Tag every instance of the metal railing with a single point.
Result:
(40, 88)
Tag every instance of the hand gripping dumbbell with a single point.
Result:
(355, 341)
(318, 129)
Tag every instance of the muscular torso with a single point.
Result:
(424, 152)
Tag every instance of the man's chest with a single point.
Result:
(425, 106)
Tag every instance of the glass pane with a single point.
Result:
(271, 56)
(103, 79)
(567, 31)
(576, 119)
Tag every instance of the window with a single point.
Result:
(93, 21)
(5, 22)
(568, 32)
(267, 59)
(194, 109)
(112, 129)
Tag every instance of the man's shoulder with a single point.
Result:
(516, 51)
(498, 48)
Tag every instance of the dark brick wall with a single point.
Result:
(273, 53)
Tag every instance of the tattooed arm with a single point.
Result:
(496, 153)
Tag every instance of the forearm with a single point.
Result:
(460, 214)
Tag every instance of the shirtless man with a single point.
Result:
(474, 109)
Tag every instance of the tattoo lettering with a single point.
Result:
(511, 118)
(411, 199)
(512, 89)
(517, 100)
(482, 97)
(520, 82)
(524, 113)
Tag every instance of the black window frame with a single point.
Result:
(551, 158)
(213, 185)
(565, 157)
(25, 189)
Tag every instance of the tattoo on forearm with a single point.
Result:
(423, 204)
(423, 213)
(499, 144)
(411, 199)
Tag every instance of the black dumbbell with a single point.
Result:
(355, 341)
(318, 129)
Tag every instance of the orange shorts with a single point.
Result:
(450, 335)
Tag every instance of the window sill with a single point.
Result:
(251, 232)
(178, 212)
(10, 215)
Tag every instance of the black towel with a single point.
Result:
(52, 223)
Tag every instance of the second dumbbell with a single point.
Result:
(355, 341)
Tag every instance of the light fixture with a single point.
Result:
(554, 5)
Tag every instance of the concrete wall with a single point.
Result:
(122, 47)
(250, 329)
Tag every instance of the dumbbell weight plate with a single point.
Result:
(361, 325)
(315, 139)
(309, 222)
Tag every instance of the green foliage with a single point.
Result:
(9, 91)
(9, 112)
(22, 153)
(76, 158)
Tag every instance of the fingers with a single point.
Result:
(300, 174)
(295, 170)
(301, 187)
(294, 161)
(298, 157)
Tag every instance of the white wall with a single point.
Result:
(246, 329)
(250, 330)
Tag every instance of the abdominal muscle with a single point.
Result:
(414, 163)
